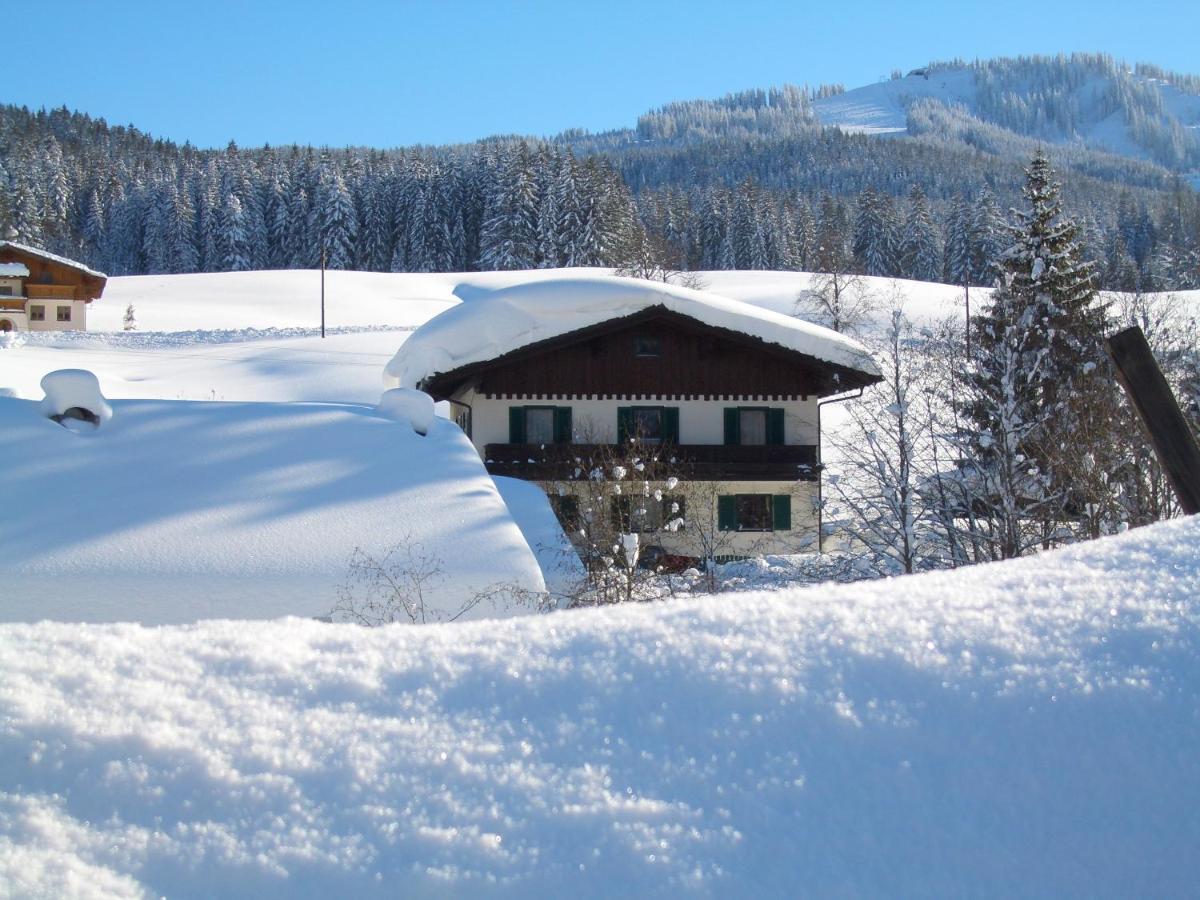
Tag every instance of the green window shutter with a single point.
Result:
(624, 424)
(774, 426)
(781, 512)
(562, 424)
(733, 426)
(727, 512)
(671, 424)
(516, 424)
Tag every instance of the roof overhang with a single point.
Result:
(833, 378)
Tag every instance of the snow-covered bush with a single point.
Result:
(408, 405)
(74, 394)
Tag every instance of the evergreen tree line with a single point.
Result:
(923, 208)
(874, 233)
(128, 206)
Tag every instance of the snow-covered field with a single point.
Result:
(1024, 729)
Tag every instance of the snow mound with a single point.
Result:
(1014, 730)
(531, 510)
(177, 511)
(408, 405)
(70, 390)
(488, 324)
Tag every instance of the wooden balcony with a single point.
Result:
(701, 462)
(9, 304)
(49, 291)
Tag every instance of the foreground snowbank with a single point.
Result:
(176, 511)
(1026, 729)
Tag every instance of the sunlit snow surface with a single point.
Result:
(1024, 729)
(175, 511)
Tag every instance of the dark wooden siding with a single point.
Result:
(44, 272)
(691, 362)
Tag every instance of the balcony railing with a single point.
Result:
(702, 462)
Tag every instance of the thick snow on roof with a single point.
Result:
(53, 257)
(489, 324)
(1012, 730)
(175, 511)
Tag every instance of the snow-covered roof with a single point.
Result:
(13, 270)
(52, 257)
(487, 325)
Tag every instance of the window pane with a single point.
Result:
(647, 423)
(539, 426)
(647, 346)
(754, 512)
(754, 426)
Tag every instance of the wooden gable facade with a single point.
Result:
(655, 351)
(51, 277)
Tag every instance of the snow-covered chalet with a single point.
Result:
(539, 374)
(40, 291)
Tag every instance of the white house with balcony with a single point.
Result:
(542, 375)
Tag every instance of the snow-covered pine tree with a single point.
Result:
(1040, 402)
(956, 267)
(987, 239)
(875, 238)
(336, 221)
(182, 236)
(232, 241)
(920, 250)
(510, 229)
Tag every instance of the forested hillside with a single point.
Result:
(780, 179)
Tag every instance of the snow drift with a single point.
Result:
(176, 511)
(1020, 729)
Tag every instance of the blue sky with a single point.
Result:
(390, 74)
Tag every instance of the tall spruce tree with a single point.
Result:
(1039, 398)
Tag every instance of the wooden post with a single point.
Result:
(1151, 396)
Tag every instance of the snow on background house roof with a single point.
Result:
(1018, 729)
(13, 270)
(489, 324)
(53, 257)
(175, 511)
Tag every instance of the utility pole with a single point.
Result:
(322, 289)
(967, 288)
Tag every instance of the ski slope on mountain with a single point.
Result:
(1013, 730)
(882, 108)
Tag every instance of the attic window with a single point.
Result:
(647, 346)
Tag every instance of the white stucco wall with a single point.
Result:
(595, 421)
(78, 315)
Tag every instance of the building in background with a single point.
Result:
(43, 292)
(549, 376)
